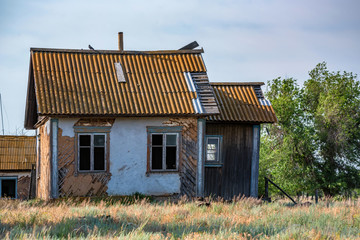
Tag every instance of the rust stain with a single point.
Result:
(72, 183)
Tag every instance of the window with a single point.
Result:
(119, 72)
(91, 151)
(163, 148)
(8, 186)
(213, 145)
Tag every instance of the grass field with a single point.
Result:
(241, 219)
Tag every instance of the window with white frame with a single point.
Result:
(163, 148)
(91, 152)
(213, 145)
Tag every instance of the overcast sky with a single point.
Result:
(243, 40)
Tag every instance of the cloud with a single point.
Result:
(243, 40)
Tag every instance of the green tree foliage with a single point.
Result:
(316, 142)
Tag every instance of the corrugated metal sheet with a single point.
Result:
(83, 82)
(238, 103)
(17, 152)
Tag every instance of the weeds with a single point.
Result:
(140, 218)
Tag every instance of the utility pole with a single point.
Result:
(2, 116)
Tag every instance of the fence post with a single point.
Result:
(267, 190)
(316, 196)
(32, 189)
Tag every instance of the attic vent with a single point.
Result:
(119, 72)
(258, 92)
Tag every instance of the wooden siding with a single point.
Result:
(233, 178)
(188, 155)
(23, 187)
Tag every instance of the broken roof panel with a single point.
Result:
(242, 102)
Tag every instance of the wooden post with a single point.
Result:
(281, 190)
(316, 196)
(267, 190)
(255, 162)
(200, 173)
(32, 189)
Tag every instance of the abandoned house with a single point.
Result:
(17, 156)
(116, 122)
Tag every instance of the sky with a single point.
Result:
(243, 40)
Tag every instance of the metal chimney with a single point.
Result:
(121, 41)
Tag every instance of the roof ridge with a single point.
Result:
(192, 51)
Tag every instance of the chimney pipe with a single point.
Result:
(121, 41)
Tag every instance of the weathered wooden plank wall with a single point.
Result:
(233, 178)
(188, 156)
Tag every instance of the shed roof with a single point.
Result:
(242, 102)
(84, 82)
(17, 152)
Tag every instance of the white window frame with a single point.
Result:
(9, 178)
(217, 162)
(92, 134)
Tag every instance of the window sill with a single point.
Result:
(92, 172)
(161, 172)
(213, 164)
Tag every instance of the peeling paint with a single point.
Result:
(127, 162)
(72, 183)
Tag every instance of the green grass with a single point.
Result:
(141, 218)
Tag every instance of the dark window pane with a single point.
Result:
(213, 141)
(99, 158)
(170, 157)
(8, 188)
(99, 140)
(84, 159)
(156, 158)
(170, 140)
(157, 139)
(85, 140)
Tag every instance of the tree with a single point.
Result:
(316, 142)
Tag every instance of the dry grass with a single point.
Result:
(241, 219)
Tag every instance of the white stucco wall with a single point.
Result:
(128, 158)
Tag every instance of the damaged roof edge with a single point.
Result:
(116, 51)
(31, 104)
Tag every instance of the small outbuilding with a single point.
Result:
(17, 156)
(115, 122)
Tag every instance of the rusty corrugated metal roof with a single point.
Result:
(17, 152)
(238, 103)
(84, 82)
